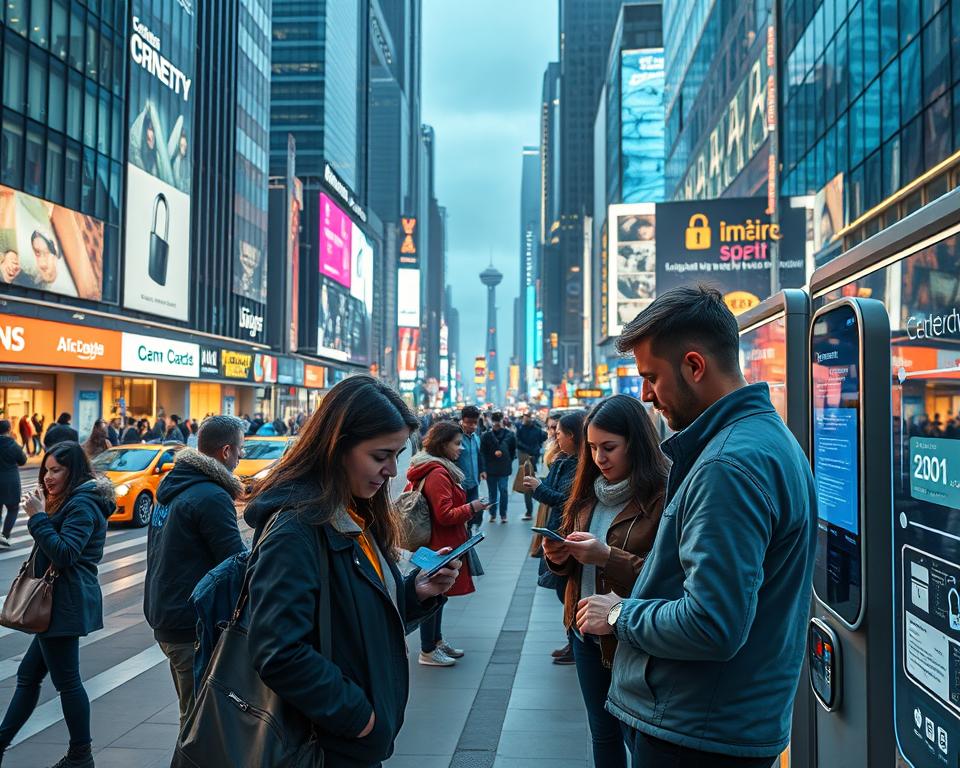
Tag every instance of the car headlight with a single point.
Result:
(122, 490)
(263, 473)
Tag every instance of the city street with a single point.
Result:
(504, 704)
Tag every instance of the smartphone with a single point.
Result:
(430, 562)
(547, 533)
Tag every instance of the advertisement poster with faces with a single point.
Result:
(160, 157)
(346, 286)
(631, 274)
(49, 248)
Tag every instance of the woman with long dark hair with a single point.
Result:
(554, 491)
(610, 522)
(68, 521)
(450, 512)
(98, 441)
(331, 490)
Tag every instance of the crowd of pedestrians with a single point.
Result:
(676, 603)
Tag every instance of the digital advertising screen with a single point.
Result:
(336, 231)
(763, 358)
(631, 269)
(47, 247)
(642, 125)
(162, 52)
(835, 446)
(408, 349)
(408, 298)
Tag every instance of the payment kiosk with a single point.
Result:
(849, 637)
(773, 349)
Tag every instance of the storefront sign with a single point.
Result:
(41, 342)
(340, 188)
(236, 365)
(264, 369)
(409, 257)
(314, 376)
(209, 362)
(286, 370)
(250, 322)
(163, 357)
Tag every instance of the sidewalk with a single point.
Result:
(505, 704)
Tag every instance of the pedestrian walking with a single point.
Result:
(530, 440)
(60, 432)
(718, 615)
(26, 434)
(113, 431)
(610, 522)
(37, 421)
(12, 457)
(131, 434)
(192, 530)
(554, 491)
(98, 441)
(331, 490)
(470, 460)
(499, 447)
(193, 440)
(174, 432)
(450, 512)
(68, 522)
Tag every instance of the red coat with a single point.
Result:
(449, 513)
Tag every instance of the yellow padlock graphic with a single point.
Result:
(698, 233)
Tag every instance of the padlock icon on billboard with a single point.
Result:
(698, 233)
(159, 246)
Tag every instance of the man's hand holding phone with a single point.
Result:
(478, 505)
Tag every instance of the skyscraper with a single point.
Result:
(525, 330)
(492, 277)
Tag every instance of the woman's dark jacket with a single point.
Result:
(72, 540)
(555, 488)
(12, 456)
(368, 670)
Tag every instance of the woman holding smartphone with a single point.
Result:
(450, 512)
(610, 522)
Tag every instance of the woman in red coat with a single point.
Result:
(449, 514)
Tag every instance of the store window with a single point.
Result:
(28, 395)
(136, 397)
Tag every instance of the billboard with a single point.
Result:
(408, 298)
(727, 244)
(49, 248)
(250, 273)
(408, 348)
(346, 286)
(335, 235)
(162, 52)
(631, 264)
(642, 125)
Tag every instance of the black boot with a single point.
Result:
(77, 757)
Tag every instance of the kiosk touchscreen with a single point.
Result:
(835, 443)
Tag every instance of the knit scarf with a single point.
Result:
(428, 458)
(611, 494)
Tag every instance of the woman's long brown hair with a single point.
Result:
(624, 416)
(359, 408)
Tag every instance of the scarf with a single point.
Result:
(426, 458)
(611, 494)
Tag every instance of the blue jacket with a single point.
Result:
(471, 461)
(72, 540)
(712, 636)
(555, 488)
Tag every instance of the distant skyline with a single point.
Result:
(483, 66)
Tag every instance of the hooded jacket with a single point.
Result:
(59, 433)
(12, 456)
(449, 510)
(193, 528)
(368, 668)
(72, 541)
(502, 440)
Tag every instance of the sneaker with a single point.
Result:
(565, 660)
(436, 658)
(565, 651)
(493, 518)
(81, 759)
(449, 650)
(527, 517)
(503, 520)
(4, 542)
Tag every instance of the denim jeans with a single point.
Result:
(430, 632)
(60, 656)
(605, 729)
(647, 751)
(499, 490)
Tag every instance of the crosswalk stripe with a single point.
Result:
(126, 544)
(14, 540)
(112, 625)
(108, 589)
(110, 567)
(50, 713)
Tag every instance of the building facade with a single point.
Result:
(525, 317)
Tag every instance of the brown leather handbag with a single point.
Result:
(29, 602)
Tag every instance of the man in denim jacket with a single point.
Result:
(711, 639)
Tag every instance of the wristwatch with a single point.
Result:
(614, 613)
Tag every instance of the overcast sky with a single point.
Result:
(483, 66)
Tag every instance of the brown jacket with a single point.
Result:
(630, 538)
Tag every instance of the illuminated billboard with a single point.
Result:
(162, 52)
(642, 125)
(49, 248)
(631, 264)
(408, 349)
(335, 241)
(408, 298)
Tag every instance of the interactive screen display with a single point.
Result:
(763, 358)
(838, 569)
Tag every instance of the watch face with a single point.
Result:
(614, 614)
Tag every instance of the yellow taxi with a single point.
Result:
(259, 456)
(135, 471)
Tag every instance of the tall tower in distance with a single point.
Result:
(492, 277)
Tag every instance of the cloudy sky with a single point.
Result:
(483, 66)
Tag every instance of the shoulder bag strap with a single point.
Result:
(245, 587)
(326, 613)
(420, 487)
